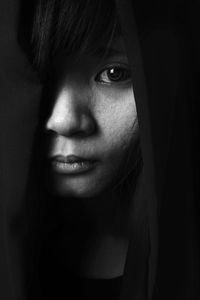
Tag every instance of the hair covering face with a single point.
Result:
(162, 261)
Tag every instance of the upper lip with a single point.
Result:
(69, 158)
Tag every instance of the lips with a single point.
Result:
(68, 159)
(71, 164)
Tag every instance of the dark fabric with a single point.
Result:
(164, 58)
(71, 287)
(108, 289)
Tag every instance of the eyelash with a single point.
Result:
(124, 76)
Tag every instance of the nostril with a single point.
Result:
(71, 116)
(71, 125)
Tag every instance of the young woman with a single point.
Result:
(90, 140)
(97, 147)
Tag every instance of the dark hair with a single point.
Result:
(77, 27)
(72, 27)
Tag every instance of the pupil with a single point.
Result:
(115, 74)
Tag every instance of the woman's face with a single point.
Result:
(94, 121)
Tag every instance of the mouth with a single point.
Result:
(71, 164)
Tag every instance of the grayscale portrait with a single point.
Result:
(98, 158)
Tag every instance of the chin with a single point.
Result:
(87, 185)
(76, 189)
(78, 193)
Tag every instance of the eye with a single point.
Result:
(114, 74)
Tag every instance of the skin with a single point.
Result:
(94, 115)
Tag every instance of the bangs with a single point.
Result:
(72, 27)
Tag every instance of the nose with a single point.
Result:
(71, 114)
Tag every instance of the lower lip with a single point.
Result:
(72, 168)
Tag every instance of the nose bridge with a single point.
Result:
(70, 113)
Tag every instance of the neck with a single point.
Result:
(98, 239)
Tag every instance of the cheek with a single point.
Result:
(118, 119)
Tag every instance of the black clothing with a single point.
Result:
(107, 289)
(87, 289)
